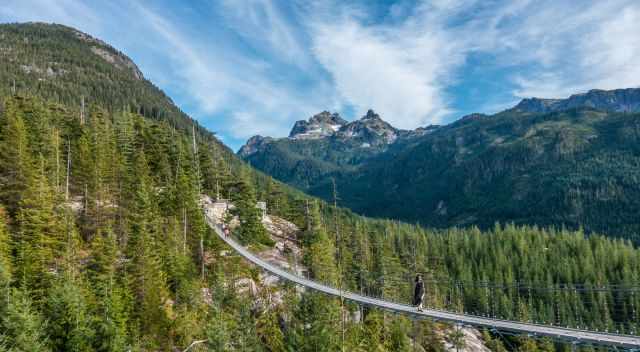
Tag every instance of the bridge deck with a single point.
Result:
(582, 336)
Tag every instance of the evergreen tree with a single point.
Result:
(22, 327)
(69, 326)
(217, 331)
(111, 311)
(39, 241)
(15, 156)
(251, 229)
(5, 256)
(147, 280)
(320, 250)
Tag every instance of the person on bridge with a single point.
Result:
(418, 293)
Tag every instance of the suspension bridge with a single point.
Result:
(576, 336)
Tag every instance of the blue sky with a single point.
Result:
(245, 67)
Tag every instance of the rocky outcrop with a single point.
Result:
(110, 54)
(318, 126)
(472, 338)
(253, 145)
(118, 60)
(370, 129)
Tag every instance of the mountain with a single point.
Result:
(104, 247)
(80, 67)
(571, 162)
(618, 100)
(318, 126)
(324, 145)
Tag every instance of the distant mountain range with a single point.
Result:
(618, 100)
(571, 162)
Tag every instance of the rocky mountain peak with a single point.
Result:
(318, 126)
(328, 118)
(371, 115)
(371, 129)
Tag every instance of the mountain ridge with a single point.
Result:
(326, 124)
(452, 175)
(616, 100)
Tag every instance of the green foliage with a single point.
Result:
(320, 250)
(23, 328)
(316, 323)
(244, 199)
(15, 156)
(69, 318)
(62, 64)
(456, 339)
(5, 254)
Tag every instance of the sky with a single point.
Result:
(247, 67)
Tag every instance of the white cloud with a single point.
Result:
(398, 71)
(262, 24)
(242, 88)
(547, 48)
(561, 48)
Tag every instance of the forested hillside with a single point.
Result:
(103, 247)
(577, 167)
(123, 258)
(65, 65)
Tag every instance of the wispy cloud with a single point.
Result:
(262, 24)
(400, 72)
(559, 48)
(70, 12)
(243, 91)
(544, 48)
(401, 67)
(246, 67)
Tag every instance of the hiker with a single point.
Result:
(225, 228)
(418, 293)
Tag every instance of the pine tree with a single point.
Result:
(375, 331)
(456, 338)
(111, 320)
(317, 323)
(217, 330)
(5, 256)
(244, 198)
(398, 339)
(269, 331)
(39, 240)
(319, 255)
(15, 157)
(147, 280)
(69, 318)
(22, 328)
